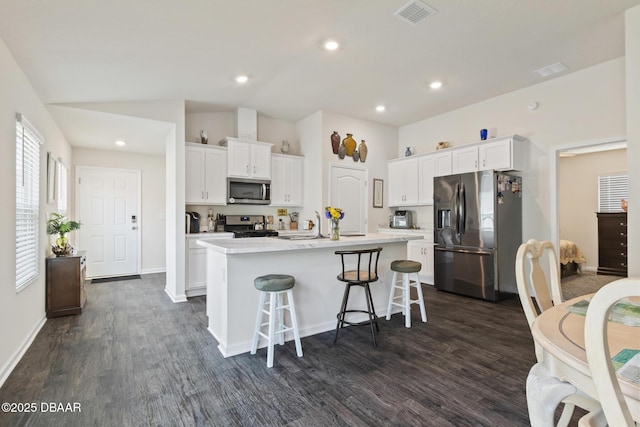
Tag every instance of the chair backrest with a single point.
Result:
(366, 268)
(604, 377)
(536, 294)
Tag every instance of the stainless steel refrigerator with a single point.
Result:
(478, 229)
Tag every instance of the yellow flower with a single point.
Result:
(333, 213)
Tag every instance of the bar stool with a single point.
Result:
(409, 270)
(275, 285)
(365, 273)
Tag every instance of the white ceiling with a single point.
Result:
(76, 51)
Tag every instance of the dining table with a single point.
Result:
(559, 331)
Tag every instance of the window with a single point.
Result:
(61, 180)
(28, 142)
(611, 190)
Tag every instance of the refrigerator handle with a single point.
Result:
(463, 209)
(455, 208)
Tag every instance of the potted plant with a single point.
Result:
(59, 225)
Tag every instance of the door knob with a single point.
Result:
(134, 227)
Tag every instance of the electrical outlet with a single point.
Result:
(282, 212)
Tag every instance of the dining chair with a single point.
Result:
(614, 410)
(539, 291)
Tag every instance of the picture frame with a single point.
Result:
(52, 169)
(378, 191)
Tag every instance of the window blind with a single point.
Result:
(28, 142)
(611, 190)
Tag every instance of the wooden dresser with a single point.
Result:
(612, 243)
(65, 284)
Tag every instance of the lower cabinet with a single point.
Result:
(65, 284)
(196, 264)
(422, 251)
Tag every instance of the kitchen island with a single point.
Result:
(233, 264)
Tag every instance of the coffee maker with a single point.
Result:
(194, 222)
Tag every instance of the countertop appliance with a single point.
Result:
(247, 226)
(194, 222)
(401, 219)
(478, 229)
(243, 191)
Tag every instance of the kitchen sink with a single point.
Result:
(299, 237)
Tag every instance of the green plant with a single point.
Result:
(58, 224)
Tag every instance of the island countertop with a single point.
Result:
(275, 244)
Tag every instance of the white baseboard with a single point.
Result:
(153, 270)
(13, 361)
(175, 298)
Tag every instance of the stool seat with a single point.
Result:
(274, 282)
(405, 266)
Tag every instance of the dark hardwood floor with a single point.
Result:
(134, 358)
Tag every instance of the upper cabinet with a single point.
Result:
(403, 182)
(430, 166)
(248, 159)
(503, 154)
(286, 180)
(206, 174)
(411, 179)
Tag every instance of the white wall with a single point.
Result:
(580, 106)
(153, 215)
(382, 141)
(632, 46)
(222, 124)
(21, 314)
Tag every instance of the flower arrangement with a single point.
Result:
(59, 225)
(335, 215)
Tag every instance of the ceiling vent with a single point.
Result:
(558, 67)
(414, 12)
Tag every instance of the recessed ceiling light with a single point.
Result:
(331, 45)
(242, 79)
(380, 108)
(120, 143)
(435, 85)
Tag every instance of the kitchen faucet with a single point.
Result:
(318, 233)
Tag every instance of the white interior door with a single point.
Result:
(108, 207)
(348, 190)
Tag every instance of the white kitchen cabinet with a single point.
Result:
(248, 159)
(205, 175)
(422, 251)
(465, 159)
(196, 267)
(403, 182)
(430, 166)
(443, 163)
(286, 180)
(503, 154)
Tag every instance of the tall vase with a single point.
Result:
(350, 144)
(335, 229)
(363, 149)
(335, 142)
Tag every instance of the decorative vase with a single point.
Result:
(342, 150)
(335, 229)
(349, 143)
(61, 250)
(408, 152)
(204, 138)
(363, 150)
(335, 142)
(355, 155)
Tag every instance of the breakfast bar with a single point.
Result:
(233, 264)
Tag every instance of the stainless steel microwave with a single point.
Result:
(246, 191)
